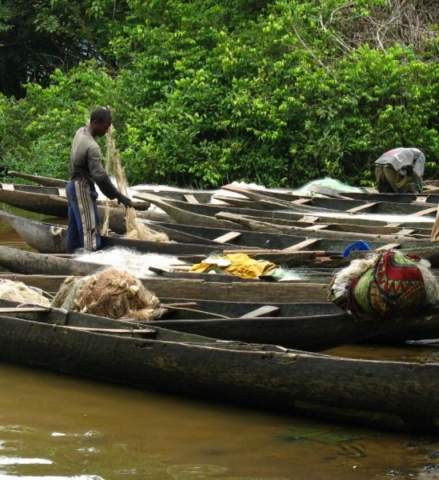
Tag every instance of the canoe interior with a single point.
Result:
(371, 196)
(45, 181)
(48, 238)
(314, 204)
(48, 190)
(201, 290)
(337, 204)
(293, 332)
(293, 215)
(76, 319)
(237, 309)
(270, 240)
(309, 326)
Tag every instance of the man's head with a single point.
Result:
(100, 121)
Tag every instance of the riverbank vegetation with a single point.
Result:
(208, 91)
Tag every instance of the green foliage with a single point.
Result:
(205, 92)
(37, 131)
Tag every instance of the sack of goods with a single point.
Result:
(110, 293)
(385, 285)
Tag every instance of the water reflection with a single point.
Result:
(408, 353)
(24, 461)
(55, 427)
(49, 477)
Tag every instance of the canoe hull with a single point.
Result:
(49, 238)
(267, 377)
(56, 206)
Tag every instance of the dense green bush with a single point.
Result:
(206, 92)
(37, 131)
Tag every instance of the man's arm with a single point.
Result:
(418, 162)
(100, 176)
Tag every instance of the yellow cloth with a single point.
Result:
(241, 265)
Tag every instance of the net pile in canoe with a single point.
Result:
(110, 293)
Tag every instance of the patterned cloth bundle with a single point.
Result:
(385, 285)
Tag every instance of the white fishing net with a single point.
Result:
(21, 293)
(112, 293)
(136, 263)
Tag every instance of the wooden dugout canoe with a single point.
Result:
(263, 200)
(211, 209)
(43, 203)
(300, 325)
(386, 393)
(424, 197)
(56, 205)
(262, 226)
(305, 325)
(346, 220)
(240, 237)
(47, 272)
(412, 229)
(336, 204)
(18, 187)
(36, 199)
(312, 332)
(308, 205)
(45, 181)
(17, 194)
(180, 194)
(283, 292)
(230, 309)
(32, 263)
(206, 215)
(308, 332)
(204, 196)
(49, 238)
(342, 201)
(60, 191)
(322, 197)
(177, 193)
(33, 199)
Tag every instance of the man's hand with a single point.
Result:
(124, 200)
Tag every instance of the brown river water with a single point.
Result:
(54, 427)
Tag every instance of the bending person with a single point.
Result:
(86, 169)
(400, 171)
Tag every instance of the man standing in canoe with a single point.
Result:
(400, 171)
(86, 169)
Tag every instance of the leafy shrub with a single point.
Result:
(206, 92)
